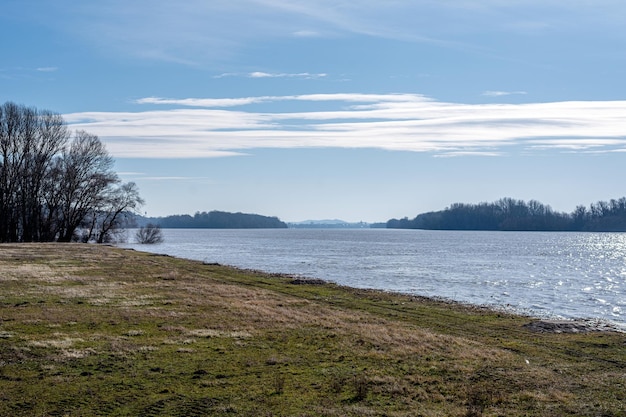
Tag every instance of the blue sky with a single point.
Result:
(361, 110)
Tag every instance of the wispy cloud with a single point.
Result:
(196, 127)
(144, 177)
(305, 75)
(25, 72)
(261, 74)
(307, 34)
(491, 93)
(130, 174)
(205, 31)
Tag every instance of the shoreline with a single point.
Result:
(539, 323)
(552, 288)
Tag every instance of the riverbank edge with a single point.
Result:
(536, 323)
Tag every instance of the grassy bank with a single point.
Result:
(93, 330)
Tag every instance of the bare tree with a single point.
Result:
(87, 176)
(50, 186)
(30, 140)
(52, 200)
(149, 234)
(118, 203)
(49, 136)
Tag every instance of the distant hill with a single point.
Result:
(328, 224)
(213, 220)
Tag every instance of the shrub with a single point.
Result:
(149, 234)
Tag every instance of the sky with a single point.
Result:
(358, 110)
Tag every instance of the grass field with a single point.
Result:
(90, 330)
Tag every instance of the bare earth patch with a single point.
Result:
(571, 326)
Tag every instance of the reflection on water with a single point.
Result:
(567, 275)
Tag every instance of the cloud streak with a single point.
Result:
(304, 75)
(261, 74)
(202, 127)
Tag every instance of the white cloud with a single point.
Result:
(380, 99)
(47, 69)
(202, 102)
(402, 122)
(259, 74)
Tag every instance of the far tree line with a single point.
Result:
(518, 215)
(214, 220)
(57, 185)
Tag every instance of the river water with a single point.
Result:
(552, 274)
